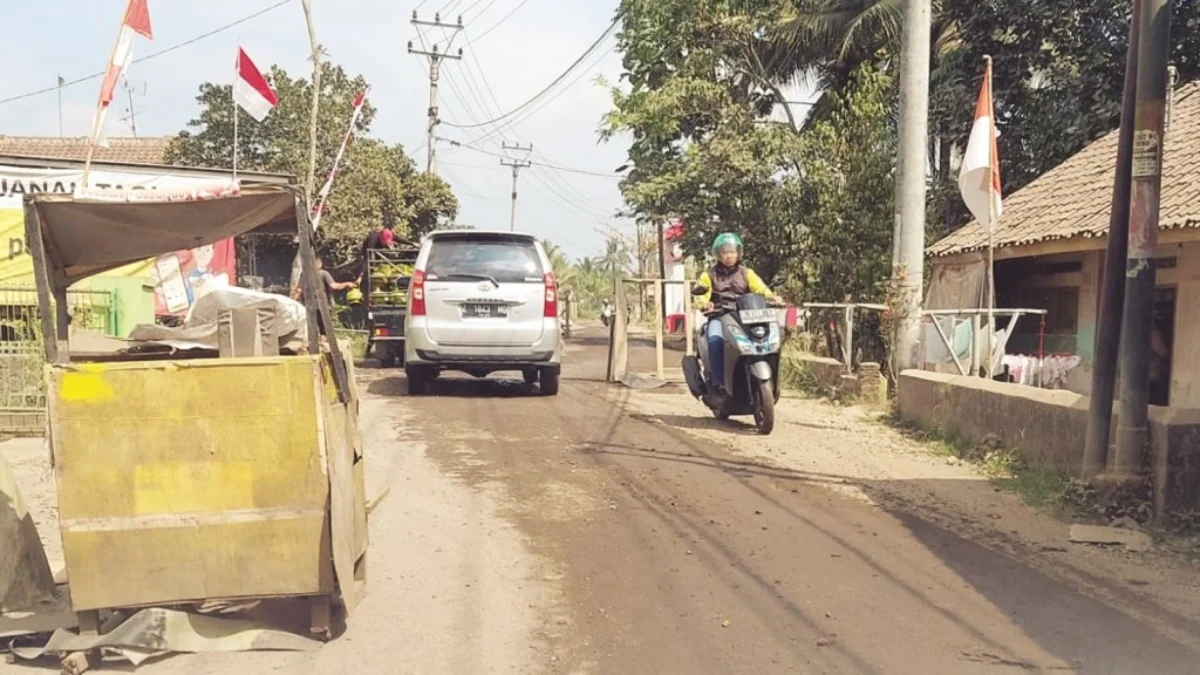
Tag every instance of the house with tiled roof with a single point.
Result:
(1049, 254)
(142, 150)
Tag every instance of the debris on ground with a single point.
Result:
(1133, 540)
(156, 632)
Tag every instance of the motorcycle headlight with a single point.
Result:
(759, 331)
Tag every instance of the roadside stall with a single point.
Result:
(187, 470)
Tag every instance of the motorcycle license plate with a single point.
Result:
(758, 316)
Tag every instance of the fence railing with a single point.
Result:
(22, 360)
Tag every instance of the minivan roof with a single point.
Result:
(467, 234)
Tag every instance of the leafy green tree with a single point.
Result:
(376, 184)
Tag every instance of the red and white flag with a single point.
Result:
(136, 22)
(979, 177)
(323, 195)
(251, 90)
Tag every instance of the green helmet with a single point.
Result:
(727, 239)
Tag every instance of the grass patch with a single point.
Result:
(1038, 487)
(1004, 467)
(795, 373)
(357, 338)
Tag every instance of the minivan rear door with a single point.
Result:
(484, 289)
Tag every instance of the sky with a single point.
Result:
(512, 50)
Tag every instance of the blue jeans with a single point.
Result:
(714, 335)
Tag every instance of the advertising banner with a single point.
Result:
(179, 278)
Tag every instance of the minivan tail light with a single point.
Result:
(551, 307)
(416, 289)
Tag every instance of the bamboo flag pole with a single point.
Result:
(992, 224)
(309, 183)
(237, 74)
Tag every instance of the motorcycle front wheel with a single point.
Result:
(764, 406)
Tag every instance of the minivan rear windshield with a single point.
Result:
(505, 260)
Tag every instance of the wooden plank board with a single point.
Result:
(347, 493)
(183, 480)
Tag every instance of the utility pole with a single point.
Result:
(662, 268)
(132, 118)
(908, 240)
(1112, 290)
(517, 164)
(435, 56)
(1154, 46)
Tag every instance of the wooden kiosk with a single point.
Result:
(184, 479)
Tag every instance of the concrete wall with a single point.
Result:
(1047, 428)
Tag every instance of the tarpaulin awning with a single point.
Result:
(99, 230)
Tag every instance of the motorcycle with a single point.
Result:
(753, 338)
(606, 315)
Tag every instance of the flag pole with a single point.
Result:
(98, 120)
(991, 250)
(237, 73)
(60, 108)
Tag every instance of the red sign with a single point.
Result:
(184, 276)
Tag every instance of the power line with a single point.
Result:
(506, 17)
(548, 165)
(547, 88)
(526, 114)
(472, 6)
(154, 55)
(555, 193)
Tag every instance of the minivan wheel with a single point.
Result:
(549, 381)
(419, 380)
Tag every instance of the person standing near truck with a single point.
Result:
(328, 283)
(381, 238)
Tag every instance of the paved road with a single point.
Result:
(676, 556)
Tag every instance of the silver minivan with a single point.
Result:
(482, 302)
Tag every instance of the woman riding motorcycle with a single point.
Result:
(728, 276)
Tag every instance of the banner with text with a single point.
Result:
(179, 278)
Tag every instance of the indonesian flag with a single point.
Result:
(251, 90)
(323, 195)
(979, 177)
(136, 22)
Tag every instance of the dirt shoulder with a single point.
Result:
(453, 586)
(856, 454)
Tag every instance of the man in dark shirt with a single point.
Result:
(381, 238)
(328, 283)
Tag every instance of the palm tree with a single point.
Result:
(822, 42)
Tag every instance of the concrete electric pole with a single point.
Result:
(517, 164)
(908, 241)
(1149, 122)
(435, 56)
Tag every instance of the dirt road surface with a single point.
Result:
(607, 530)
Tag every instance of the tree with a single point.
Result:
(697, 106)
(377, 183)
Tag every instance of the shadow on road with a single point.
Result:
(1065, 623)
(700, 421)
(457, 387)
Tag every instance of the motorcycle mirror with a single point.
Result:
(699, 290)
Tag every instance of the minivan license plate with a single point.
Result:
(485, 311)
